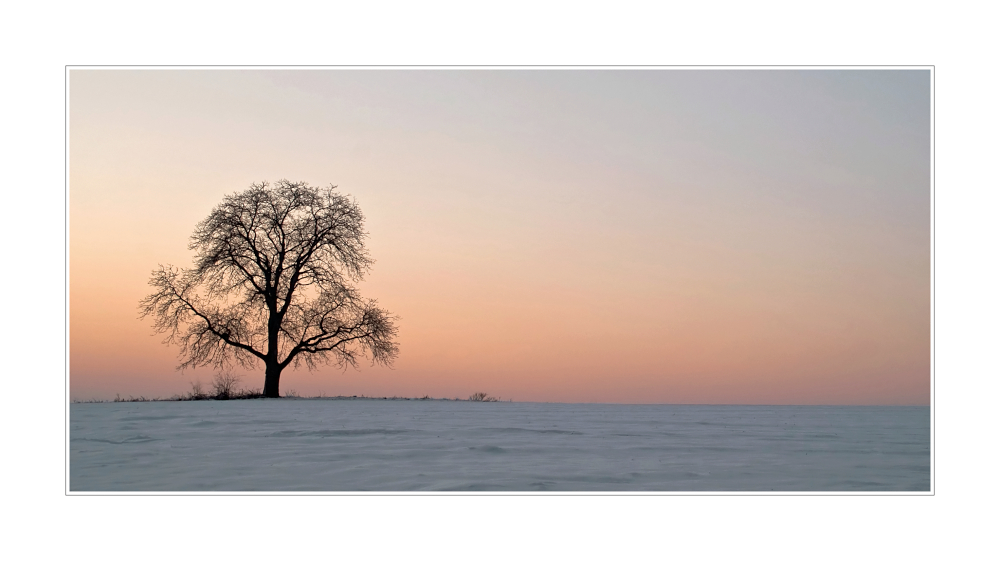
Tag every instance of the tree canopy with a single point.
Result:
(272, 282)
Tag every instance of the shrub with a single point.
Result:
(481, 396)
(196, 391)
(225, 385)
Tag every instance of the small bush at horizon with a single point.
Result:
(225, 384)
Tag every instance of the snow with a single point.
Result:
(338, 445)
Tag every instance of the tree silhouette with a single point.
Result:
(272, 282)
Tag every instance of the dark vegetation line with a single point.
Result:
(225, 386)
(290, 395)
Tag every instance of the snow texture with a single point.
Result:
(336, 445)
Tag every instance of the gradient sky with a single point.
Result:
(638, 236)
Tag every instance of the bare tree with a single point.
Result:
(272, 282)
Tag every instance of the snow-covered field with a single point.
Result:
(302, 445)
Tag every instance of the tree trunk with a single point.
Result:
(271, 375)
(272, 369)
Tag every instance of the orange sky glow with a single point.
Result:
(622, 236)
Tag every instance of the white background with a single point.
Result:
(41, 38)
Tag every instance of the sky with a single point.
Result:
(624, 236)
